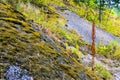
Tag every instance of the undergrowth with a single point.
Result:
(50, 20)
(22, 45)
(44, 13)
(110, 22)
(104, 73)
(109, 51)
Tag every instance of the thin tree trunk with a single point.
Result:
(93, 44)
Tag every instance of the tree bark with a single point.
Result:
(93, 44)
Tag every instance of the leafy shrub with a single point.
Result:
(75, 51)
(106, 50)
(101, 71)
(117, 53)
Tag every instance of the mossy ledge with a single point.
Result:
(23, 46)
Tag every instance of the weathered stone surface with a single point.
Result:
(22, 44)
(16, 73)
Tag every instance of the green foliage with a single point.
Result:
(89, 10)
(117, 53)
(40, 2)
(3, 1)
(101, 71)
(22, 45)
(110, 51)
(85, 10)
(53, 23)
(44, 14)
(75, 51)
(106, 50)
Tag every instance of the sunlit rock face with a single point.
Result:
(28, 53)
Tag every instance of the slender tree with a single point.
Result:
(93, 44)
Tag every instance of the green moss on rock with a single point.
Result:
(22, 45)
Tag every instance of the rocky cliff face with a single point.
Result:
(24, 45)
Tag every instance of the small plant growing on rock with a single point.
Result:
(75, 51)
(103, 72)
(106, 50)
(117, 53)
